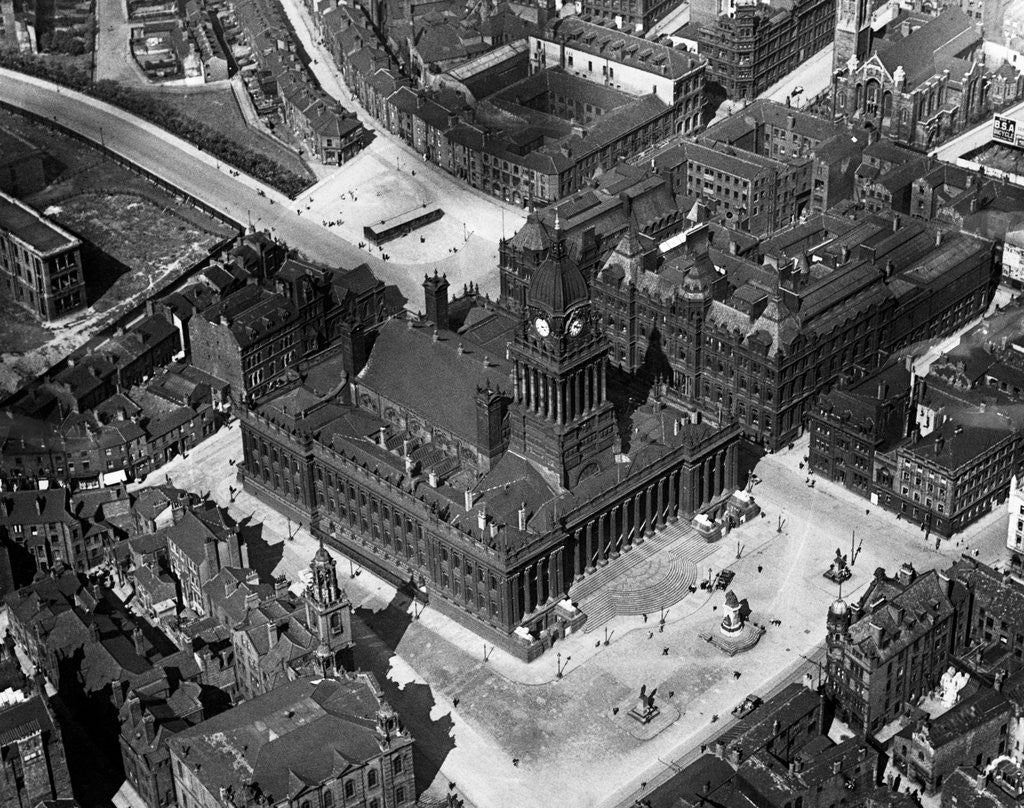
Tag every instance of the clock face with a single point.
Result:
(576, 326)
(542, 326)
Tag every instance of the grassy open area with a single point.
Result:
(218, 109)
(137, 236)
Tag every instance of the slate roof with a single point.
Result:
(931, 48)
(408, 366)
(301, 733)
(596, 39)
(902, 613)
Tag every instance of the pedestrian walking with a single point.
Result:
(650, 635)
(645, 618)
(664, 651)
(455, 702)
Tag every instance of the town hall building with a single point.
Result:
(478, 458)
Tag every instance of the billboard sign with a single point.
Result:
(1005, 130)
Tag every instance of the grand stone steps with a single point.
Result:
(629, 560)
(653, 576)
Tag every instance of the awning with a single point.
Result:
(114, 477)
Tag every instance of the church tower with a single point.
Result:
(331, 611)
(561, 415)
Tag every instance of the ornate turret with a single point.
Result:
(838, 620)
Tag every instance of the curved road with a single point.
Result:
(204, 177)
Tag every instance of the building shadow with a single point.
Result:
(103, 271)
(263, 557)
(377, 635)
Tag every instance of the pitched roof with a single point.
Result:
(408, 366)
(300, 734)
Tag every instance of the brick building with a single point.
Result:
(32, 750)
(625, 62)
(854, 421)
(199, 545)
(952, 475)
(330, 742)
(753, 46)
(40, 523)
(891, 647)
(153, 712)
(40, 262)
(255, 336)
(767, 168)
(974, 731)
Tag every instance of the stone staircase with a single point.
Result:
(652, 576)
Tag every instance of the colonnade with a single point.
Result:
(604, 537)
(560, 399)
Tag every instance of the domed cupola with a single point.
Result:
(557, 285)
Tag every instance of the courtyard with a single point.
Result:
(509, 709)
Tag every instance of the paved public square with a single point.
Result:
(509, 709)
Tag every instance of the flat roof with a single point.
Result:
(32, 228)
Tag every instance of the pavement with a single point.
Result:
(510, 709)
(201, 175)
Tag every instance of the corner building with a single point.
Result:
(477, 458)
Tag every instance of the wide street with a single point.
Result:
(204, 177)
(512, 709)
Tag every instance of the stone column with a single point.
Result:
(674, 482)
(592, 550)
(540, 582)
(618, 520)
(638, 523)
(706, 495)
(558, 589)
(730, 470)
(517, 606)
(577, 567)
(720, 468)
(580, 405)
(659, 500)
(556, 395)
(652, 508)
(604, 379)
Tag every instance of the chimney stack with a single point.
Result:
(468, 500)
(432, 478)
(522, 516)
(481, 518)
(938, 238)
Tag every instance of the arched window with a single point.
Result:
(371, 778)
(328, 799)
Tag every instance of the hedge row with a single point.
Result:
(149, 108)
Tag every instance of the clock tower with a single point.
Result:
(561, 415)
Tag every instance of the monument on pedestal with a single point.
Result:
(645, 710)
